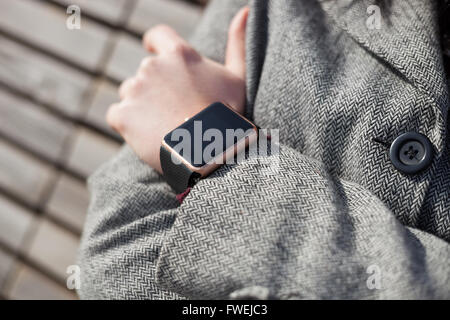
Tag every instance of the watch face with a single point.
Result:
(204, 138)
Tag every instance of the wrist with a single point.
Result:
(203, 143)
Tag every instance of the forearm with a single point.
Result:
(131, 210)
(298, 232)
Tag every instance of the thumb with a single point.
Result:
(235, 55)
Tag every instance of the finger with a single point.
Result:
(235, 55)
(125, 87)
(112, 117)
(162, 39)
(146, 66)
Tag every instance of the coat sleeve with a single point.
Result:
(277, 225)
(282, 225)
(272, 226)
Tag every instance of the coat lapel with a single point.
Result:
(408, 38)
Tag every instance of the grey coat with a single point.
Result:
(337, 220)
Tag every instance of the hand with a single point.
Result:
(176, 84)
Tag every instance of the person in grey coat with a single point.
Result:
(358, 205)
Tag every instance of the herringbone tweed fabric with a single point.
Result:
(339, 93)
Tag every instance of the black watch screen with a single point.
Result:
(208, 134)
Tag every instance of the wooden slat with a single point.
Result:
(109, 10)
(6, 265)
(22, 175)
(42, 78)
(181, 15)
(69, 202)
(14, 223)
(105, 94)
(30, 284)
(53, 249)
(126, 57)
(44, 26)
(89, 151)
(32, 126)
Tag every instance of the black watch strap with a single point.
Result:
(178, 176)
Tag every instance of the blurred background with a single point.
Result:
(55, 87)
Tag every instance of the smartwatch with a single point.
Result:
(204, 142)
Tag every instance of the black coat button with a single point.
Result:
(411, 152)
